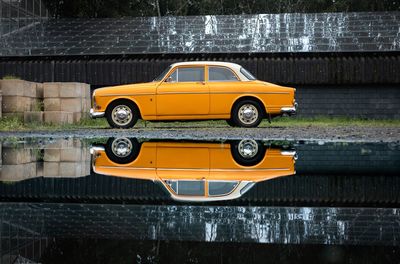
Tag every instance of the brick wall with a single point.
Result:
(370, 101)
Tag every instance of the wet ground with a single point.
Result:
(137, 198)
(315, 133)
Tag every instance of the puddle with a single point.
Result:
(54, 191)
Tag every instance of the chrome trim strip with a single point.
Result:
(142, 94)
(94, 114)
(196, 169)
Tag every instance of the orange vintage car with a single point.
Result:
(191, 171)
(195, 90)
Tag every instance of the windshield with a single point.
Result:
(247, 74)
(159, 77)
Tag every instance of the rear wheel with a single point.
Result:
(230, 122)
(247, 113)
(122, 114)
(247, 152)
(122, 150)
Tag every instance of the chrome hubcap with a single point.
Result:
(122, 115)
(121, 147)
(248, 114)
(248, 148)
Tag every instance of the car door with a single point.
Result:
(183, 93)
(224, 87)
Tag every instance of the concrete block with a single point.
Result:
(86, 88)
(52, 155)
(39, 90)
(33, 117)
(17, 156)
(71, 154)
(71, 105)
(39, 169)
(70, 90)
(77, 143)
(14, 104)
(77, 117)
(60, 144)
(51, 90)
(71, 169)
(12, 87)
(29, 89)
(58, 117)
(52, 104)
(18, 172)
(19, 115)
(51, 169)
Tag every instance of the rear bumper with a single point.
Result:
(289, 110)
(94, 114)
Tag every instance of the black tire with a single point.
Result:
(122, 159)
(230, 122)
(250, 160)
(252, 104)
(126, 104)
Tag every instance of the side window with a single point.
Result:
(183, 187)
(221, 187)
(194, 74)
(221, 74)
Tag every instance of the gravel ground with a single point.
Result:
(310, 133)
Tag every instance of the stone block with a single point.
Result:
(29, 89)
(52, 104)
(71, 154)
(51, 169)
(86, 88)
(39, 169)
(51, 90)
(71, 105)
(58, 117)
(17, 156)
(18, 172)
(14, 104)
(33, 117)
(70, 169)
(19, 115)
(60, 144)
(39, 90)
(52, 155)
(12, 87)
(77, 117)
(70, 90)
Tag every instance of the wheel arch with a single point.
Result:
(124, 98)
(249, 97)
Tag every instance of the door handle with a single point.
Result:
(202, 83)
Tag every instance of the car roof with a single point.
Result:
(217, 63)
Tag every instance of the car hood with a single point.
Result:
(127, 89)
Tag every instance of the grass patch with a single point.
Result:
(11, 77)
(17, 124)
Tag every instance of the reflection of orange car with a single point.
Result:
(192, 171)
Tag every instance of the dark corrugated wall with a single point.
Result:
(337, 69)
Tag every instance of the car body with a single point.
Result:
(193, 171)
(197, 90)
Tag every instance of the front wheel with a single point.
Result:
(122, 150)
(122, 114)
(247, 113)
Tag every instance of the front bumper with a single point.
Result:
(94, 114)
(289, 110)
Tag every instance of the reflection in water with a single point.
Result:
(195, 171)
(47, 173)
